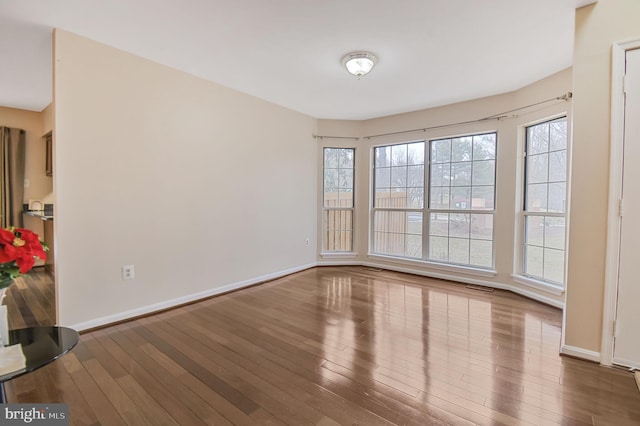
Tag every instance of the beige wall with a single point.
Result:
(199, 186)
(597, 28)
(509, 178)
(40, 185)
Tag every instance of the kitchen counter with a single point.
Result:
(41, 214)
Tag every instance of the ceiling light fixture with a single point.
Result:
(359, 63)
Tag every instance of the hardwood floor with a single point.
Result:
(335, 345)
(30, 300)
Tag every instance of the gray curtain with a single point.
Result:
(12, 159)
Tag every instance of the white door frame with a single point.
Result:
(618, 59)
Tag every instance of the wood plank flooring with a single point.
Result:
(329, 346)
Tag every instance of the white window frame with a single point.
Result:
(327, 210)
(426, 211)
(520, 276)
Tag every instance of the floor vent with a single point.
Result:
(480, 288)
(369, 268)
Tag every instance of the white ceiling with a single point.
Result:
(430, 52)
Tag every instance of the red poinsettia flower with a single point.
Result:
(21, 246)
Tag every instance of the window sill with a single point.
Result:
(339, 255)
(467, 270)
(538, 285)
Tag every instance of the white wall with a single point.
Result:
(199, 186)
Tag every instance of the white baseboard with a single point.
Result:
(467, 280)
(149, 309)
(580, 353)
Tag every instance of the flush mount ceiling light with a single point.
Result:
(359, 63)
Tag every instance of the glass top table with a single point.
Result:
(40, 346)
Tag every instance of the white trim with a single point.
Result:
(580, 353)
(149, 309)
(339, 255)
(626, 363)
(466, 280)
(145, 310)
(469, 270)
(612, 259)
(538, 285)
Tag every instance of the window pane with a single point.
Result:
(461, 174)
(330, 180)
(482, 198)
(338, 230)
(415, 153)
(557, 197)
(554, 232)
(461, 149)
(399, 155)
(345, 199)
(554, 265)
(440, 174)
(558, 166)
(537, 197)
(538, 139)
(538, 168)
(414, 246)
(345, 158)
(558, 135)
(484, 172)
(441, 151)
(383, 177)
(458, 250)
(481, 253)
(439, 249)
(415, 198)
(460, 198)
(534, 230)
(383, 156)
(415, 176)
(439, 198)
(459, 225)
(482, 226)
(330, 158)
(383, 198)
(534, 260)
(398, 177)
(414, 223)
(484, 147)
(439, 224)
(345, 179)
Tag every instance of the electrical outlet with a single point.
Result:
(128, 273)
(307, 242)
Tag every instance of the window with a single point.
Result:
(398, 199)
(461, 200)
(544, 207)
(338, 199)
(459, 189)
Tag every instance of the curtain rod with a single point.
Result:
(498, 116)
(335, 137)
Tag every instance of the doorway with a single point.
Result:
(620, 344)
